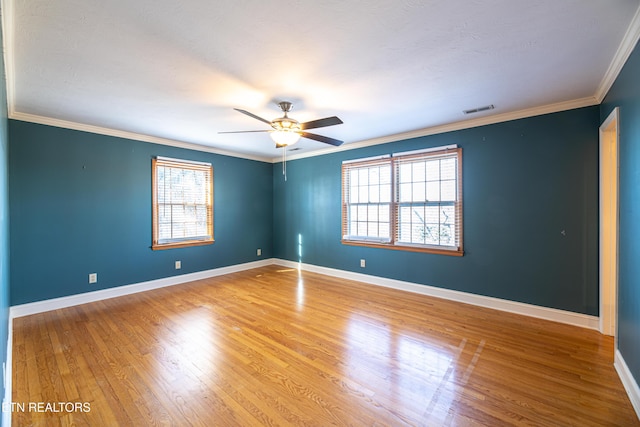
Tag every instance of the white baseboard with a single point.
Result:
(567, 317)
(630, 384)
(8, 375)
(562, 316)
(71, 300)
(576, 319)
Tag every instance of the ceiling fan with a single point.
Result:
(287, 131)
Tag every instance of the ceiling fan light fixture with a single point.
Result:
(285, 137)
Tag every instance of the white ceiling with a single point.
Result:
(173, 71)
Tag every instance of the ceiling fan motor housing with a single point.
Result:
(285, 123)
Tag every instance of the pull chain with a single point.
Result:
(284, 162)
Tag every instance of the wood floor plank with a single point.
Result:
(277, 347)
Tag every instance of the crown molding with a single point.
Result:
(32, 118)
(450, 127)
(6, 12)
(627, 45)
(629, 41)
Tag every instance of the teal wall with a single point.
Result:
(4, 215)
(524, 183)
(625, 94)
(81, 203)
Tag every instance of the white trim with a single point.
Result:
(552, 314)
(425, 150)
(607, 290)
(629, 383)
(71, 300)
(189, 162)
(366, 159)
(32, 118)
(8, 385)
(466, 124)
(627, 45)
(451, 127)
(576, 319)
(8, 31)
(562, 316)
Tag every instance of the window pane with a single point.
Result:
(385, 174)
(190, 229)
(363, 196)
(374, 176)
(431, 236)
(353, 213)
(161, 184)
(353, 228)
(164, 231)
(448, 191)
(372, 213)
(417, 233)
(201, 213)
(383, 213)
(433, 170)
(405, 172)
(404, 233)
(432, 214)
(385, 193)
(448, 168)
(177, 230)
(374, 194)
(372, 229)
(385, 230)
(405, 192)
(353, 194)
(418, 172)
(418, 214)
(353, 177)
(362, 229)
(362, 212)
(418, 192)
(447, 226)
(405, 215)
(433, 191)
(363, 177)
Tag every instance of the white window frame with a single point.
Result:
(162, 200)
(390, 236)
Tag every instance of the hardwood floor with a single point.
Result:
(273, 346)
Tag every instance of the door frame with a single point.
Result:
(609, 214)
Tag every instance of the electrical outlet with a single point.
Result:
(259, 252)
(93, 278)
(363, 263)
(178, 265)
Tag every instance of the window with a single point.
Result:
(408, 201)
(182, 203)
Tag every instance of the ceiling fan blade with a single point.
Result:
(246, 131)
(321, 138)
(320, 123)
(253, 115)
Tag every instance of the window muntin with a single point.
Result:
(182, 203)
(422, 206)
(369, 189)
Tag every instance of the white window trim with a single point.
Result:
(391, 243)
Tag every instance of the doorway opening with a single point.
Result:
(609, 228)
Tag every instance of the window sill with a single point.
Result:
(450, 252)
(185, 244)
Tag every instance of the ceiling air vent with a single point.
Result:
(479, 109)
